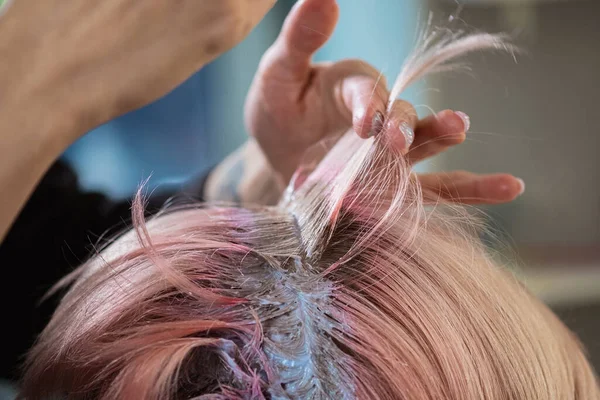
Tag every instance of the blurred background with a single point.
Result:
(532, 117)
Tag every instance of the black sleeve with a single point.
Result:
(54, 234)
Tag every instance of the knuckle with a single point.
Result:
(461, 174)
(411, 113)
(405, 111)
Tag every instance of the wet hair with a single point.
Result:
(352, 287)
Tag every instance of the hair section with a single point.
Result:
(351, 288)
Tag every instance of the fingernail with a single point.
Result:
(465, 119)
(522, 182)
(408, 132)
(376, 124)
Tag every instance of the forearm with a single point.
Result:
(28, 146)
(245, 177)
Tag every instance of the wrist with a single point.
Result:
(244, 177)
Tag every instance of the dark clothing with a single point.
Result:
(54, 233)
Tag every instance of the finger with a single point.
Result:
(364, 99)
(399, 126)
(353, 92)
(469, 188)
(306, 29)
(437, 133)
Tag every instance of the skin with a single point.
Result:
(71, 65)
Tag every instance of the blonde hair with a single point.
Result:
(351, 288)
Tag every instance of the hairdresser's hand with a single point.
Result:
(293, 104)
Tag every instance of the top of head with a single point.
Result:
(349, 289)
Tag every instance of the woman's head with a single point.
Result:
(351, 288)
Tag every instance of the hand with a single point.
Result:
(92, 61)
(294, 104)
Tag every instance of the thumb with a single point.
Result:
(306, 29)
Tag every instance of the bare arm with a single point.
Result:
(62, 76)
(32, 136)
